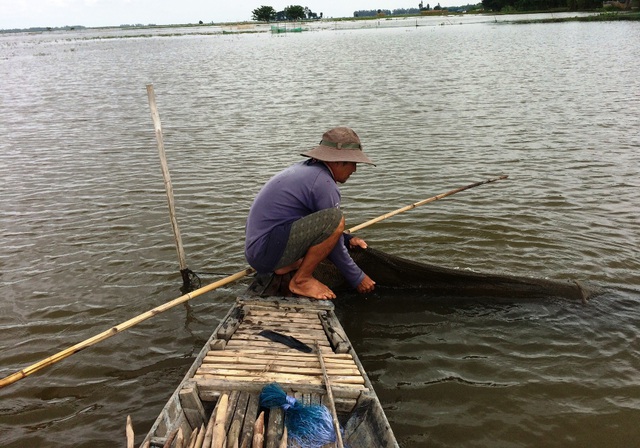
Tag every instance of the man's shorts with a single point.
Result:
(309, 231)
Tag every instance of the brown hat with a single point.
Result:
(339, 144)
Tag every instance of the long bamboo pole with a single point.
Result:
(186, 297)
(419, 203)
(120, 328)
(182, 259)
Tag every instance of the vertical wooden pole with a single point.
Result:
(184, 271)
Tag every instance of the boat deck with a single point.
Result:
(237, 362)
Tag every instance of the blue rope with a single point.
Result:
(307, 426)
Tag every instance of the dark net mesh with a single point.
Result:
(395, 272)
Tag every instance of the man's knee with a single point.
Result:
(341, 225)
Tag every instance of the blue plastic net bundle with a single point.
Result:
(307, 426)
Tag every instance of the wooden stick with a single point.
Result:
(179, 438)
(130, 434)
(193, 437)
(119, 329)
(258, 432)
(167, 183)
(332, 404)
(200, 439)
(419, 203)
(208, 435)
(169, 441)
(219, 429)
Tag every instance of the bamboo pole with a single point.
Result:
(119, 328)
(419, 203)
(332, 403)
(186, 297)
(184, 271)
(129, 432)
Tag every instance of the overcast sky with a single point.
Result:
(93, 13)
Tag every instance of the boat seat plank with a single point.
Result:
(336, 357)
(253, 368)
(270, 377)
(214, 357)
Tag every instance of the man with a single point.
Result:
(295, 221)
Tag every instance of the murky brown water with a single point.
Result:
(87, 242)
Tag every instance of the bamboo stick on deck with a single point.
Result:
(332, 404)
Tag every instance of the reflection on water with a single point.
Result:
(88, 242)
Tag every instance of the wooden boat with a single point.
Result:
(219, 396)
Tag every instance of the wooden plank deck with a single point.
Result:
(240, 357)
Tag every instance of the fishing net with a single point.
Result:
(390, 271)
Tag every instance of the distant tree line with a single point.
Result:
(293, 12)
(539, 5)
(415, 11)
(386, 12)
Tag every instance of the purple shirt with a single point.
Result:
(303, 188)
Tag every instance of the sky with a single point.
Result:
(96, 13)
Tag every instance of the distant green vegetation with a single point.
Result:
(291, 13)
(603, 17)
(511, 6)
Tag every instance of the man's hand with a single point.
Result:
(366, 285)
(355, 241)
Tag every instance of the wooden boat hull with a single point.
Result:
(237, 362)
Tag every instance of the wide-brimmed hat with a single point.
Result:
(339, 144)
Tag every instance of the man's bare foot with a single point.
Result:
(286, 269)
(310, 287)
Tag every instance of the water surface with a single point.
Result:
(87, 242)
